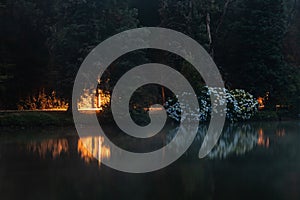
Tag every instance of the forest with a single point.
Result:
(255, 44)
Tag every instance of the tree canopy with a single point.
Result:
(255, 43)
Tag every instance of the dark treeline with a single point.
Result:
(255, 43)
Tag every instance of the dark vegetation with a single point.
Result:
(35, 119)
(255, 44)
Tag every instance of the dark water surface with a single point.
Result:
(251, 161)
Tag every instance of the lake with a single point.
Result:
(251, 161)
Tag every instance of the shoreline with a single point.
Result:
(32, 119)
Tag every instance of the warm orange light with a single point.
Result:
(260, 101)
(93, 100)
(262, 141)
(153, 109)
(53, 146)
(43, 102)
(90, 148)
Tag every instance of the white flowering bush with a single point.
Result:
(174, 109)
(241, 105)
(245, 106)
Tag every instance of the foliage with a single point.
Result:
(23, 56)
(42, 101)
(240, 105)
(250, 49)
(48, 40)
(43, 43)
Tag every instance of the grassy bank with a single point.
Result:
(282, 115)
(44, 119)
(34, 119)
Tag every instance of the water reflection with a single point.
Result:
(54, 147)
(262, 140)
(90, 148)
(67, 171)
(280, 132)
(236, 139)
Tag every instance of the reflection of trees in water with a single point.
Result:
(180, 140)
(51, 146)
(90, 148)
(235, 139)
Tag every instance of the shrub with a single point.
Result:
(43, 101)
(240, 105)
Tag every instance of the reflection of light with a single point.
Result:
(93, 147)
(280, 132)
(53, 146)
(262, 141)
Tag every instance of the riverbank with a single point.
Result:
(58, 119)
(269, 115)
(35, 119)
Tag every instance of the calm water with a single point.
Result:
(251, 161)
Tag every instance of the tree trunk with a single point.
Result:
(163, 96)
(225, 8)
(211, 50)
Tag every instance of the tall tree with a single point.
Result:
(202, 20)
(81, 25)
(24, 56)
(251, 49)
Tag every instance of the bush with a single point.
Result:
(241, 105)
(43, 101)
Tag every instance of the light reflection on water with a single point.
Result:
(88, 148)
(93, 147)
(262, 140)
(236, 139)
(49, 146)
(250, 161)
